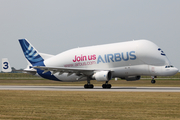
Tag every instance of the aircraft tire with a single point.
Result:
(91, 86)
(105, 86)
(108, 85)
(153, 81)
(88, 86)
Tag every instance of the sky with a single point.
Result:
(53, 26)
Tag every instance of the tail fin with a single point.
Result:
(6, 65)
(31, 54)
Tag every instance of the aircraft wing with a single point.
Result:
(69, 70)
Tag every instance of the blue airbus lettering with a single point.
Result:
(116, 57)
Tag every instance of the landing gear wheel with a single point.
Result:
(91, 86)
(88, 86)
(108, 85)
(105, 86)
(153, 81)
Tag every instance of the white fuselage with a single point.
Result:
(133, 58)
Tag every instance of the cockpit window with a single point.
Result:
(169, 66)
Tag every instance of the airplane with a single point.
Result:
(6, 65)
(126, 60)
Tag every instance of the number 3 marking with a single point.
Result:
(5, 65)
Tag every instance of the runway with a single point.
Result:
(97, 88)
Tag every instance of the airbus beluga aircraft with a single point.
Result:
(126, 60)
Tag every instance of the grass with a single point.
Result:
(53, 105)
(19, 76)
(65, 105)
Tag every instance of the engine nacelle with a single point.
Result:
(133, 78)
(102, 76)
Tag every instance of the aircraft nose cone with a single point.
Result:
(170, 71)
(175, 70)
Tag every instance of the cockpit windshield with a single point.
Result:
(169, 66)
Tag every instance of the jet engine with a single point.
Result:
(102, 76)
(132, 78)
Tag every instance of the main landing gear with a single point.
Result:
(88, 85)
(153, 81)
(106, 85)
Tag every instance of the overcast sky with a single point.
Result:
(53, 26)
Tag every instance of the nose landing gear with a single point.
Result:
(153, 81)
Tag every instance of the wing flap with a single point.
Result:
(78, 71)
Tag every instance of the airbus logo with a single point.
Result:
(116, 57)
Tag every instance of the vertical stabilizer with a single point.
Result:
(6, 65)
(31, 54)
(35, 59)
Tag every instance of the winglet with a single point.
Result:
(6, 65)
